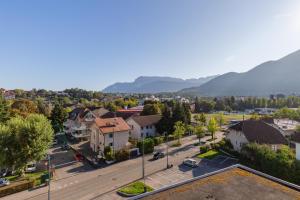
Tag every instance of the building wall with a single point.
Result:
(135, 131)
(237, 139)
(117, 140)
(298, 151)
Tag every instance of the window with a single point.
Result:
(147, 134)
(151, 126)
(274, 147)
(111, 144)
(111, 135)
(142, 127)
(146, 127)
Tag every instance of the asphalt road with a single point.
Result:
(93, 184)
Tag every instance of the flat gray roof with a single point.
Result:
(232, 183)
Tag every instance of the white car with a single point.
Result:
(31, 167)
(190, 162)
(4, 182)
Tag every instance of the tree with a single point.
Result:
(148, 145)
(190, 129)
(23, 107)
(58, 117)
(151, 109)
(212, 127)
(43, 108)
(298, 129)
(24, 140)
(200, 132)
(166, 123)
(4, 110)
(179, 130)
(221, 119)
(202, 119)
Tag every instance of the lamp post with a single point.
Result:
(143, 162)
(167, 143)
(49, 176)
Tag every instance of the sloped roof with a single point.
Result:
(112, 125)
(124, 115)
(260, 132)
(147, 120)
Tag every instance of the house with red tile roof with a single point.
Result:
(113, 132)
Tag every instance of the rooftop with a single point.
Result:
(260, 132)
(147, 119)
(235, 182)
(112, 125)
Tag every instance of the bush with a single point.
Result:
(17, 187)
(158, 140)
(148, 145)
(204, 149)
(170, 138)
(108, 153)
(122, 155)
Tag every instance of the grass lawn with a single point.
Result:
(210, 154)
(227, 118)
(34, 175)
(135, 188)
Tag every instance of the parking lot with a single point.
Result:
(183, 172)
(65, 163)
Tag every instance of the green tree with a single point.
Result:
(212, 127)
(221, 119)
(58, 117)
(166, 123)
(190, 129)
(4, 110)
(148, 145)
(43, 108)
(200, 132)
(179, 130)
(202, 119)
(24, 140)
(151, 109)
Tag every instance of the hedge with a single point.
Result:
(16, 187)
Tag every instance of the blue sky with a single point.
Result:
(58, 44)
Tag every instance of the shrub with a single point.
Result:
(204, 149)
(20, 186)
(148, 145)
(122, 155)
(108, 153)
(158, 140)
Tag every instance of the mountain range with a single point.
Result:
(156, 84)
(272, 77)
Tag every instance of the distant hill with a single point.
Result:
(272, 77)
(154, 84)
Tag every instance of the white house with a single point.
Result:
(296, 141)
(113, 132)
(260, 132)
(79, 120)
(143, 126)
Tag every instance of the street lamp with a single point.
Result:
(143, 163)
(49, 176)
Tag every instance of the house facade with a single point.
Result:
(112, 132)
(77, 125)
(252, 131)
(143, 126)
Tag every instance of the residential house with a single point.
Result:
(143, 126)
(257, 131)
(296, 141)
(113, 132)
(125, 114)
(79, 120)
(8, 94)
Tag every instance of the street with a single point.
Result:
(92, 184)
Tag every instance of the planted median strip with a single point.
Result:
(135, 188)
(210, 154)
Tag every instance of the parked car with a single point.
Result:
(65, 147)
(79, 157)
(3, 172)
(31, 167)
(158, 155)
(190, 162)
(55, 142)
(4, 182)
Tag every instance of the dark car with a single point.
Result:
(3, 172)
(79, 157)
(65, 147)
(158, 155)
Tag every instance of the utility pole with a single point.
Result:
(143, 163)
(49, 176)
(167, 143)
